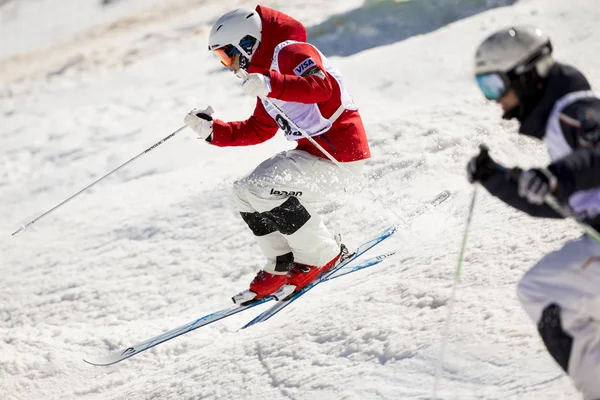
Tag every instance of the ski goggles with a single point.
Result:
(227, 54)
(493, 85)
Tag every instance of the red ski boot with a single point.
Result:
(262, 285)
(301, 275)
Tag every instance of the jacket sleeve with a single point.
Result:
(579, 170)
(302, 78)
(501, 186)
(259, 128)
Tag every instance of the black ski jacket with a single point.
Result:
(580, 125)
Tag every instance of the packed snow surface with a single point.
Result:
(85, 87)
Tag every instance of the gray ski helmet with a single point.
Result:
(521, 55)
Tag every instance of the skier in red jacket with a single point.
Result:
(268, 50)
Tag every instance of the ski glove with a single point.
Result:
(535, 184)
(257, 85)
(482, 166)
(201, 122)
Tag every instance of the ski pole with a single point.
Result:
(440, 364)
(553, 203)
(149, 149)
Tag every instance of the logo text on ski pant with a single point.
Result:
(285, 193)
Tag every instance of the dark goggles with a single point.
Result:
(493, 85)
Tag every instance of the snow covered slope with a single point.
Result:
(160, 243)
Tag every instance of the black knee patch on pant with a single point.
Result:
(288, 217)
(258, 223)
(557, 341)
(284, 262)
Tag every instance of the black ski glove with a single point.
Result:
(535, 184)
(482, 166)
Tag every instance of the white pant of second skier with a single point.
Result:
(561, 293)
(277, 202)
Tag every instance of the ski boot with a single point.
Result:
(301, 275)
(263, 285)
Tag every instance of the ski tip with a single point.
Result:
(103, 362)
(93, 363)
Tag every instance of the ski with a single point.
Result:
(343, 269)
(347, 269)
(328, 275)
(200, 322)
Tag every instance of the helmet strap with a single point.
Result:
(246, 56)
(244, 62)
(244, 52)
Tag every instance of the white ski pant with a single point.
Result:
(561, 293)
(277, 202)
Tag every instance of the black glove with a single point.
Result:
(482, 166)
(535, 184)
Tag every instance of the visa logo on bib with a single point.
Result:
(304, 66)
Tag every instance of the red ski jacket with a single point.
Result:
(345, 140)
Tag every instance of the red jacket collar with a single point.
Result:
(277, 27)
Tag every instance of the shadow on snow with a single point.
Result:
(382, 22)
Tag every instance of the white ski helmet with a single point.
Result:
(516, 57)
(239, 30)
